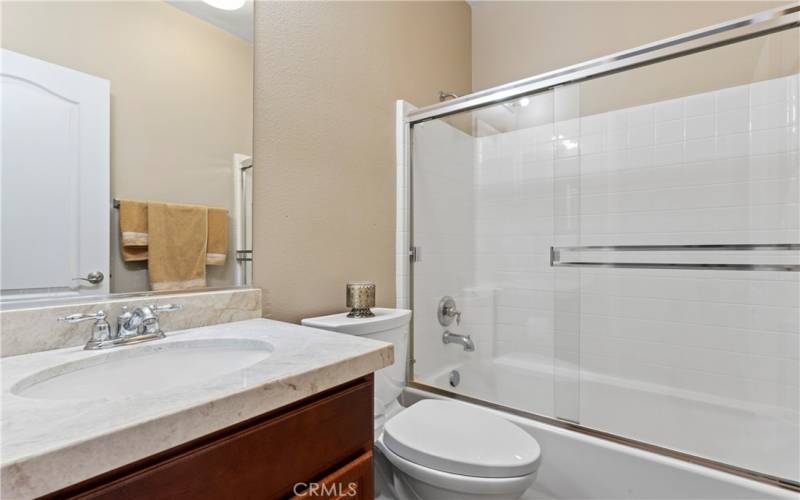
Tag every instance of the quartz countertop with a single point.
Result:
(50, 444)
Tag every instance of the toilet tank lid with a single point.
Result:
(453, 437)
(384, 319)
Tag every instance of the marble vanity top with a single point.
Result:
(48, 444)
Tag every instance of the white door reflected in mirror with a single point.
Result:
(55, 180)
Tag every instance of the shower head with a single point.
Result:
(444, 95)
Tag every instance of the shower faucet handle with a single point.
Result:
(457, 315)
(447, 311)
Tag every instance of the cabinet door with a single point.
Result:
(353, 481)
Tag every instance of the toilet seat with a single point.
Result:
(457, 439)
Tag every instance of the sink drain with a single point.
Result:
(455, 378)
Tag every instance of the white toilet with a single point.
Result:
(437, 449)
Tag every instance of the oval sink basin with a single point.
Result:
(146, 368)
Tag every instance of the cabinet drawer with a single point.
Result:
(259, 461)
(354, 481)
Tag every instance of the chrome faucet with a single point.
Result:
(133, 327)
(449, 337)
(143, 320)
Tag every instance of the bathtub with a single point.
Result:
(577, 465)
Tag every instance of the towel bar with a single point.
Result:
(555, 257)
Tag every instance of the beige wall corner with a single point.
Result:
(327, 75)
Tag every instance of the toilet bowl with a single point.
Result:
(437, 450)
(449, 450)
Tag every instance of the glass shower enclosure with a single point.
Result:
(620, 240)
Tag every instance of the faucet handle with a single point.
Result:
(78, 317)
(151, 324)
(166, 308)
(101, 330)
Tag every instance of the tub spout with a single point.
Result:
(453, 338)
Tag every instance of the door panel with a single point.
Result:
(55, 179)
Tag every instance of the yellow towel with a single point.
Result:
(177, 246)
(133, 230)
(217, 236)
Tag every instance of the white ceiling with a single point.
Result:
(237, 22)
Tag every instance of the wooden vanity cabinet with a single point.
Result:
(319, 447)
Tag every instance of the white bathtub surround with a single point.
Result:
(35, 329)
(63, 441)
(653, 352)
(577, 466)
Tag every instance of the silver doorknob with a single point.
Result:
(93, 277)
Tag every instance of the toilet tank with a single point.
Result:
(388, 325)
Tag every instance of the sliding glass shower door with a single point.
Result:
(622, 253)
(688, 235)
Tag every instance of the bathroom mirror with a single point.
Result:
(126, 147)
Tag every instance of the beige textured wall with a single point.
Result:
(514, 40)
(327, 75)
(181, 99)
(762, 58)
